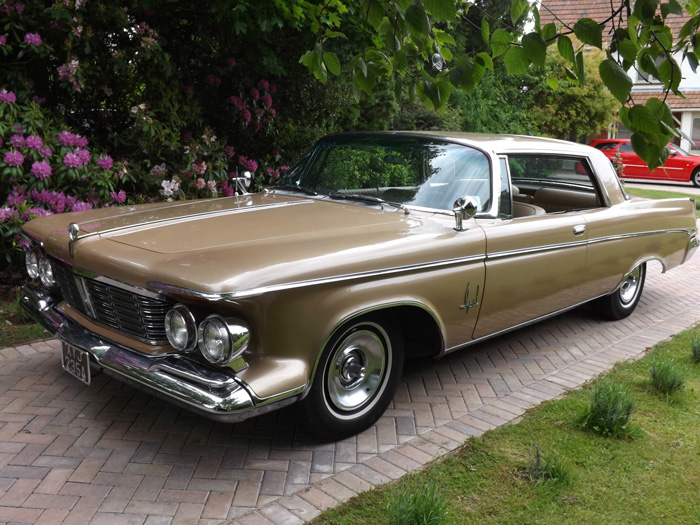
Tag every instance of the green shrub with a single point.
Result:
(695, 349)
(424, 507)
(609, 411)
(546, 467)
(666, 376)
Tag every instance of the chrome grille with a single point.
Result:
(123, 310)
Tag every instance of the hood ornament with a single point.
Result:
(73, 232)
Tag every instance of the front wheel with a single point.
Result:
(623, 301)
(356, 378)
(695, 178)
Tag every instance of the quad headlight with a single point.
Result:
(31, 260)
(46, 272)
(222, 341)
(180, 328)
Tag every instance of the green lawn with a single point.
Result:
(651, 476)
(16, 327)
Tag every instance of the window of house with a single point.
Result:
(696, 133)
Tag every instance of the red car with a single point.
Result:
(680, 166)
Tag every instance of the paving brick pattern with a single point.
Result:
(106, 453)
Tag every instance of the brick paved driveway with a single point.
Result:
(109, 454)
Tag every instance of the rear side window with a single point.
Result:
(554, 183)
(627, 146)
(606, 145)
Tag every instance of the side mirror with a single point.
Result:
(243, 183)
(464, 208)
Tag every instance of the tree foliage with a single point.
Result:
(413, 40)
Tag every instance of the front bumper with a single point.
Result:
(177, 378)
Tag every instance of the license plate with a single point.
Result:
(76, 362)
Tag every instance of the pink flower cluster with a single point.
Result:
(51, 201)
(77, 158)
(8, 97)
(119, 197)
(13, 158)
(32, 39)
(72, 140)
(105, 162)
(41, 170)
(247, 164)
(259, 105)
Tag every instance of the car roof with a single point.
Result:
(497, 143)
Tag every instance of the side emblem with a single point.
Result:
(470, 304)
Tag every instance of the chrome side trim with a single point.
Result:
(166, 289)
(252, 292)
(183, 218)
(517, 327)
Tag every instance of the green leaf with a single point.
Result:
(517, 7)
(417, 21)
(444, 38)
(589, 32)
(645, 10)
(647, 64)
(437, 92)
(516, 60)
(687, 29)
(374, 12)
(335, 34)
(500, 42)
(661, 111)
(615, 79)
(553, 83)
(671, 8)
(549, 33)
(535, 48)
(580, 68)
(692, 60)
(642, 119)
(670, 74)
(332, 63)
(485, 60)
(442, 9)
(566, 49)
(628, 50)
(653, 154)
(485, 31)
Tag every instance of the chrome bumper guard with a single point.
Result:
(176, 378)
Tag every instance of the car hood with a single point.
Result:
(245, 243)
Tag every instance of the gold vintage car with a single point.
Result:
(374, 247)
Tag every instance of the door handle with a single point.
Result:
(579, 229)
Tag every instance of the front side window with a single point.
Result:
(404, 170)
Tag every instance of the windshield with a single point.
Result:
(403, 170)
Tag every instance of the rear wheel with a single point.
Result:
(695, 178)
(623, 301)
(356, 378)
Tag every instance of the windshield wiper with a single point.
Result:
(366, 198)
(294, 187)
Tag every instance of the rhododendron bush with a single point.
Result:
(107, 103)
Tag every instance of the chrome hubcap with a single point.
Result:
(356, 370)
(630, 286)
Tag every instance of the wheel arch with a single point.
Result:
(418, 324)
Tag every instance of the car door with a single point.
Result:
(535, 263)
(676, 168)
(633, 166)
